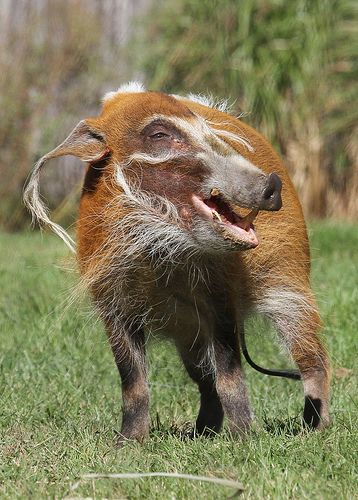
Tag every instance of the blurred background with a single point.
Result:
(289, 66)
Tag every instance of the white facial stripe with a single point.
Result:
(195, 129)
(144, 158)
(185, 126)
(154, 160)
(235, 138)
(241, 139)
(209, 101)
(198, 130)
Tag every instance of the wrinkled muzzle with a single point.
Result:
(233, 196)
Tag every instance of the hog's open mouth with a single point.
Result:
(228, 219)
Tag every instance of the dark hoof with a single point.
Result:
(313, 416)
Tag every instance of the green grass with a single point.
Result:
(60, 394)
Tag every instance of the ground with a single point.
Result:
(60, 393)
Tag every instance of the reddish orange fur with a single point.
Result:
(251, 279)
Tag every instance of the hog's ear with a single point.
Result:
(86, 143)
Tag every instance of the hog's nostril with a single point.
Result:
(274, 186)
(268, 192)
(271, 195)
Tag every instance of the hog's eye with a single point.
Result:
(159, 135)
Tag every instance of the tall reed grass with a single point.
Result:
(289, 65)
(55, 64)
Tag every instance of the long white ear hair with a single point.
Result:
(85, 143)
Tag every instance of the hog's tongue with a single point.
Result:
(223, 212)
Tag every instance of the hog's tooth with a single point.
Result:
(215, 192)
(252, 215)
(236, 209)
(216, 215)
(249, 219)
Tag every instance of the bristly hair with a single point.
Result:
(289, 308)
(221, 104)
(126, 88)
(147, 239)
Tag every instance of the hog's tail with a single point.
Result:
(292, 374)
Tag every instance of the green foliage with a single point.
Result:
(290, 65)
(53, 70)
(60, 397)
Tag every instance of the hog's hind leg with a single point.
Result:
(295, 316)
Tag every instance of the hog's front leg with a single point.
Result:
(129, 353)
(201, 369)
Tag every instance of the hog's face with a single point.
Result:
(163, 149)
(160, 150)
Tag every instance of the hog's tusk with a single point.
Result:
(215, 192)
(216, 215)
(250, 217)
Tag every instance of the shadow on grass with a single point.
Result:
(185, 431)
(291, 426)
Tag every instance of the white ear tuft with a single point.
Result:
(38, 210)
(85, 143)
(126, 88)
(208, 100)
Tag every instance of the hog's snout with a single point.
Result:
(271, 195)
